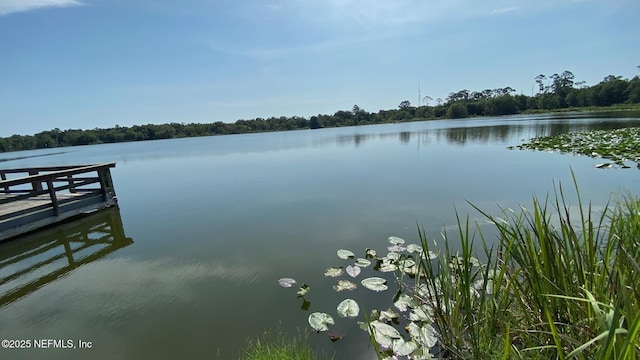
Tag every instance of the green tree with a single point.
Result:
(457, 111)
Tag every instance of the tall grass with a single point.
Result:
(276, 345)
(557, 285)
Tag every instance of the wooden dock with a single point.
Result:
(33, 198)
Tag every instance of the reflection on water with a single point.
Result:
(29, 156)
(33, 261)
(463, 132)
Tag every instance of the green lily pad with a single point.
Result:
(424, 335)
(304, 289)
(414, 248)
(346, 254)
(344, 285)
(394, 240)
(320, 321)
(362, 262)
(375, 284)
(333, 272)
(353, 271)
(403, 348)
(405, 302)
(387, 267)
(348, 308)
(384, 333)
(388, 315)
(286, 282)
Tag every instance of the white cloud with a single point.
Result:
(503, 11)
(14, 6)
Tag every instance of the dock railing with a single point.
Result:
(31, 198)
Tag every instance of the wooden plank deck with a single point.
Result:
(49, 195)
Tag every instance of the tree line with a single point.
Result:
(554, 92)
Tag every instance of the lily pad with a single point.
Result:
(375, 283)
(362, 262)
(397, 248)
(286, 282)
(405, 302)
(353, 271)
(394, 240)
(384, 333)
(388, 315)
(370, 253)
(387, 267)
(348, 308)
(419, 314)
(424, 335)
(403, 348)
(333, 272)
(392, 256)
(304, 289)
(320, 321)
(344, 285)
(414, 248)
(346, 254)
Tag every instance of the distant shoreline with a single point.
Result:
(63, 138)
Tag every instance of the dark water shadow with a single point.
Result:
(31, 156)
(32, 261)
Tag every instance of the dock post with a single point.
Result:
(36, 185)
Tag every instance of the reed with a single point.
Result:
(556, 285)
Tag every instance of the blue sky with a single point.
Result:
(82, 64)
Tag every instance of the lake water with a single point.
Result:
(206, 226)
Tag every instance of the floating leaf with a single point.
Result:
(348, 308)
(419, 314)
(320, 321)
(362, 262)
(353, 271)
(333, 272)
(392, 256)
(286, 282)
(304, 289)
(396, 248)
(370, 253)
(405, 263)
(344, 285)
(474, 262)
(403, 348)
(388, 315)
(387, 267)
(414, 248)
(424, 335)
(405, 302)
(346, 254)
(384, 333)
(375, 284)
(394, 240)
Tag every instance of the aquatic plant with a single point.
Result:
(618, 145)
(555, 284)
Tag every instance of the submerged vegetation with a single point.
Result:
(619, 145)
(558, 283)
(557, 92)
